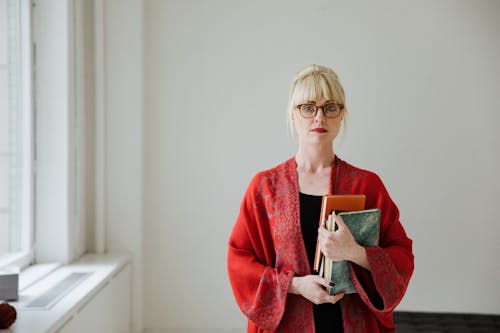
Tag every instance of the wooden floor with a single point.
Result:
(411, 322)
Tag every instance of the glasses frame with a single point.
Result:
(317, 107)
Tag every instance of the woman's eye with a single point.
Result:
(330, 107)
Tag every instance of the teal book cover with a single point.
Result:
(365, 227)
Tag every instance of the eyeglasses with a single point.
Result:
(330, 110)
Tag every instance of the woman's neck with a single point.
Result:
(314, 159)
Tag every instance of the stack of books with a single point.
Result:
(364, 226)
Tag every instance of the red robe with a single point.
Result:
(266, 250)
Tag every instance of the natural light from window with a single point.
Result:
(15, 131)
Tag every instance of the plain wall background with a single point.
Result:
(422, 80)
(124, 113)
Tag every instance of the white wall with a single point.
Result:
(422, 80)
(122, 103)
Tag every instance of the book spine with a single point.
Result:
(317, 254)
(328, 262)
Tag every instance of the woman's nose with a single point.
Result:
(319, 114)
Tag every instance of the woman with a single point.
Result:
(272, 244)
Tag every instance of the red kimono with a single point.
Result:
(266, 250)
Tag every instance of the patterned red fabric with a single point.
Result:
(266, 250)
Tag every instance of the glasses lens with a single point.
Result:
(308, 110)
(331, 110)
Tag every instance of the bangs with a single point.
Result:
(315, 86)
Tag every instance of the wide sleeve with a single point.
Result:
(259, 288)
(391, 262)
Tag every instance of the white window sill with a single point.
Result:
(19, 259)
(39, 278)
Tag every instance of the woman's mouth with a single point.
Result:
(319, 130)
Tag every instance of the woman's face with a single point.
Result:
(318, 129)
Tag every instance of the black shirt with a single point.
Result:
(327, 317)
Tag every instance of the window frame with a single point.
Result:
(64, 122)
(59, 96)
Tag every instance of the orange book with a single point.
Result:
(338, 203)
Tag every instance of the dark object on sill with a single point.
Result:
(8, 315)
(9, 283)
(433, 322)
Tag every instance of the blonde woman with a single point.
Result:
(272, 244)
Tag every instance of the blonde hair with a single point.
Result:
(313, 83)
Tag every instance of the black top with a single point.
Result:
(327, 317)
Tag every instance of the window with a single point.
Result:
(16, 192)
(46, 118)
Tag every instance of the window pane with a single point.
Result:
(4, 233)
(4, 133)
(12, 133)
(3, 31)
(4, 180)
(4, 109)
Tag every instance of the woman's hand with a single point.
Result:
(310, 287)
(338, 245)
(341, 245)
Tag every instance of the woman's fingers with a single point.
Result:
(313, 292)
(326, 242)
(335, 298)
(324, 235)
(340, 222)
(319, 280)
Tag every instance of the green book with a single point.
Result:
(365, 227)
